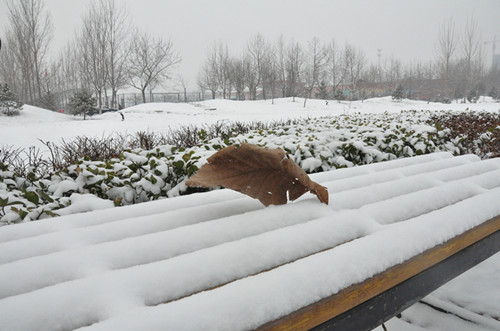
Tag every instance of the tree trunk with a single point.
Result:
(113, 99)
(99, 101)
(106, 99)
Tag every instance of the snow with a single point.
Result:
(81, 203)
(424, 316)
(204, 261)
(36, 123)
(310, 164)
(65, 186)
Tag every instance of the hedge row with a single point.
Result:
(139, 175)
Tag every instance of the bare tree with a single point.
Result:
(70, 73)
(409, 75)
(221, 64)
(270, 75)
(238, 79)
(29, 37)
(151, 60)
(336, 71)
(471, 46)
(255, 57)
(252, 79)
(183, 82)
(201, 86)
(280, 64)
(354, 61)
(92, 41)
(393, 72)
(446, 47)
(207, 77)
(10, 68)
(313, 69)
(102, 43)
(115, 17)
(295, 60)
(371, 74)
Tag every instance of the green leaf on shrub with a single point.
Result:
(3, 202)
(50, 213)
(20, 212)
(45, 196)
(31, 177)
(178, 164)
(16, 203)
(192, 169)
(32, 197)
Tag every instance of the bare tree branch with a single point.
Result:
(150, 62)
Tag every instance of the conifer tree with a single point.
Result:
(397, 94)
(338, 95)
(322, 91)
(82, 103)
(49, 101)
(9, 102)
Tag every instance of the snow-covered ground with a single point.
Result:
(36, 123)
(83, 253)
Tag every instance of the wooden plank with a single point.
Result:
(383, 307)
(328, 308)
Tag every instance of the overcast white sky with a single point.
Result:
(405, 29)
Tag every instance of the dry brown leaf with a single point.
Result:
(265, 174)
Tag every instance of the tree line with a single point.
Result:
(286, 68)
(106, 54)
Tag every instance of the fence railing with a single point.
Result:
(132, 99)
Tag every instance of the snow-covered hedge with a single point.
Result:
(143, 175)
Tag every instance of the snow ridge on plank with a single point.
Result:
(370, 186)
(166, 244)
(155, 207)
(303, 282)
(232, 262)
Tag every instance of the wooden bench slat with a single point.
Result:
(329, 308)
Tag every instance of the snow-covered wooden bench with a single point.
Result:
(221, 260)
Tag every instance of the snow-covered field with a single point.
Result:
(472, 298)
(35, 123)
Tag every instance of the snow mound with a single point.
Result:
(32, 114)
